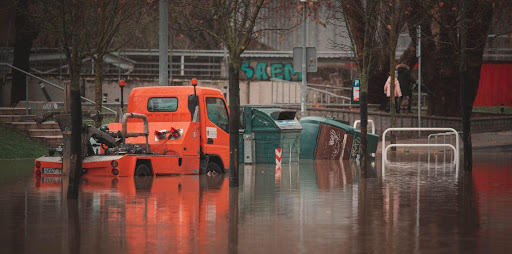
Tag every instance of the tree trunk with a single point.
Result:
(75, 64)
(377, 78)
(98, 94)
(445, 85)
(234, 118)
(392, 47)
(364, 130)
(472, 43)
(26, 33)
(76, 130)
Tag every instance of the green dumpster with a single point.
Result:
(330, 139)
(265, 129)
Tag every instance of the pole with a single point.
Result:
(122, 99)
(303, 110)
(418, 54)
(163, 75)
(26, 95)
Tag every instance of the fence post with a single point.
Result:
(271, 91)
(282, 92)
(289, 94)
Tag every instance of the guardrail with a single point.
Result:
(47, 82)
(451, 130)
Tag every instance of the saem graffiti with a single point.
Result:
(264, 71)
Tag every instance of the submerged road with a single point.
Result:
(314, 207)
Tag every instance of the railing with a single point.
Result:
(450, 134)
(288, 92)
(451, 130)
(47, 82)
(356, 122)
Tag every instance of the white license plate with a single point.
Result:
(51, 180)
(52, 171)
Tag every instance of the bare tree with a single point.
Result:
(233, 24)
(112, 25)
(393, 14)
(362, 23)
(66, 20)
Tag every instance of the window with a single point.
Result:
(163, 104)
(217, 112)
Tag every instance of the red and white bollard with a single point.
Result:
(279, 156)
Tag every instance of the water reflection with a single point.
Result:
(317, 206)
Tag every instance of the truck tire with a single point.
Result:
(142, 170)
(213, 167)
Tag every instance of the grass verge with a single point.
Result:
(14, 146)
(508, 110)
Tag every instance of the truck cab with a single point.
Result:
(166, 131)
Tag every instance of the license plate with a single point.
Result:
(51, 180)
(52, 171)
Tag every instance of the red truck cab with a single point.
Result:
(167, 130)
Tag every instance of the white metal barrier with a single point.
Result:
(450, 130)
(356, 122)
(450, 134)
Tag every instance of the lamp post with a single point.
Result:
(121, 85)
(303, 87)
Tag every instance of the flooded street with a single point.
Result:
(314, 207)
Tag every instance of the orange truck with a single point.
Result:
(167, 130)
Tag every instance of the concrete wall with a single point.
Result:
(383, 121)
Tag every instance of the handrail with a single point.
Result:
(310, 87)
(329, 93)
(330, 87)
(52, 84)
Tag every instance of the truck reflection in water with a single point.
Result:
(152, 214)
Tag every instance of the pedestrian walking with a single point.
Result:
(397, 94)
(406, 84)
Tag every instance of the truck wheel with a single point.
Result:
(142, 170)
(212, 166)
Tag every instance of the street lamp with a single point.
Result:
(303, 88)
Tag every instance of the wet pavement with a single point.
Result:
(316, 207)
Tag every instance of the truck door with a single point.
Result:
(215, 135)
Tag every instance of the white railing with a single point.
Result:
(356, 122)
(436, 135)
(450, 130)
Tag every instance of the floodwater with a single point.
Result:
(314, 207)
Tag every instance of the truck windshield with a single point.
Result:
(163, 104)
